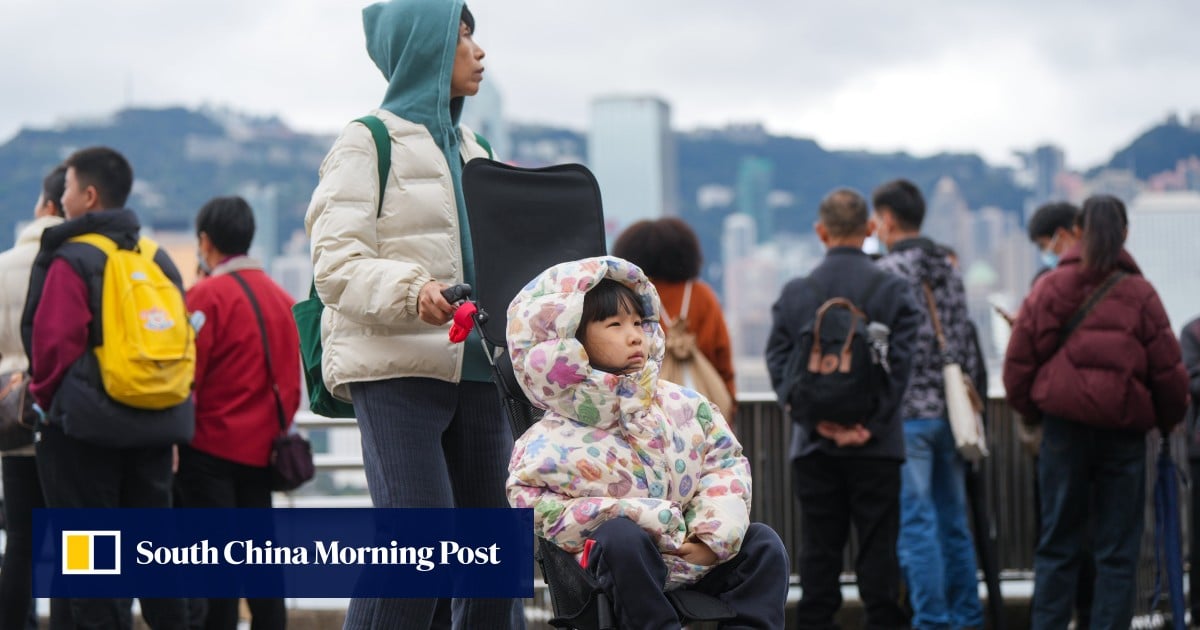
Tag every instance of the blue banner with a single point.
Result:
(289, 552)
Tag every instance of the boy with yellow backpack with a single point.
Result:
(111, 362)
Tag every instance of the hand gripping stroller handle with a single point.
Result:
(457, 293)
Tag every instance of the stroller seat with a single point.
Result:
(533, 219)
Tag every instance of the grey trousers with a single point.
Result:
(432, 444)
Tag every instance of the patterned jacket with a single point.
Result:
(613, 446)
(920, 260)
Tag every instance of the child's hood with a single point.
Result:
(550, 363)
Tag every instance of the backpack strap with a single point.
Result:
(683, 310)
(487, 146)
(1090, 303)
(383, 152)
(816, 355)
(99, 241)
(262, 333)
(933, 315)
(145, 246)
(383, 156)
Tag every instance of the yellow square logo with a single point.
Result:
(91, 552)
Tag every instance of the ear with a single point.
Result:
(872, 225)
(91, 197)
(822, 232)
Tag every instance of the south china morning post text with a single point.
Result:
(241, 552)
(287, 552)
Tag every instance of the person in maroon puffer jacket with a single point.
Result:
(1119, 375)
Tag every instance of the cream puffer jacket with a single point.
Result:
(15, 265)
(369, 272)
(618, 446)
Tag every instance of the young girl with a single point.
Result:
(640, 477)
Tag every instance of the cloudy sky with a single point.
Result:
(921, 75)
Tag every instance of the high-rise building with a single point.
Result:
(754, 181)
(264, 201)
(632, 152)
(484, 114)
(1162, 238)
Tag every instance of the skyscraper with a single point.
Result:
(484, 114)
(632, 152)
(1162, 238)
(754, 180)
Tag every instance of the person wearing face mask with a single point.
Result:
(1054, 228)
(239, 401)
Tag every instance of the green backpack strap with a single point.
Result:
(383, 149)
(486, 146)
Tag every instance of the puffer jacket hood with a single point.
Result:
(550, 362)
(618, 446)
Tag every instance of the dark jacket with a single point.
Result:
(1120, 369)
(848, 272)
(920, 260)
(1189, 342)
(61, 324)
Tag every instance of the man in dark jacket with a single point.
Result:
(60, 326)
(847, 475)
(935, 547)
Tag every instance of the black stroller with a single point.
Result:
(525, 221)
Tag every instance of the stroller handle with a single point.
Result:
(457, 293)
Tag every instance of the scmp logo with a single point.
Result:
(91, 553)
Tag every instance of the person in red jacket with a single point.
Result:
(1098, 389)
(237, 416)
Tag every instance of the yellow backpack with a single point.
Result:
(148, 352)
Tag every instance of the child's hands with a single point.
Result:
(696, 552)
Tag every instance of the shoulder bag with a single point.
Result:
(291, 461)
(964, 407)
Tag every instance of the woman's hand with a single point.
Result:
(696, 552)
(432, 308)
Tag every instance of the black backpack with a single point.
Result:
(838, 372)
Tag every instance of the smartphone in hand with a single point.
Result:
(1008, 317)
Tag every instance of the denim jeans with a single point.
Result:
(1082, 465)
(935, 548)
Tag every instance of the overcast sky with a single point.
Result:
(920, 75)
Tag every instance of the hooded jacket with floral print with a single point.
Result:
(613, 446)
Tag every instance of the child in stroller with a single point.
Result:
(640, 478)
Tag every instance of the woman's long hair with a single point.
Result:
(1105, 224)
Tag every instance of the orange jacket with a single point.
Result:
(705, 320)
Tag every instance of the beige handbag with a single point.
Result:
(685, 365)
(964, 407)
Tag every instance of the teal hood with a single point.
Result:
(413, 43)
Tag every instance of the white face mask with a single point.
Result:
(1049, 257)
(202, 263)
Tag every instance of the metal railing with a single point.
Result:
(765, 434)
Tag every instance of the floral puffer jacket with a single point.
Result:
(613, 446)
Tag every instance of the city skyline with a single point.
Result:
(923, 77)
